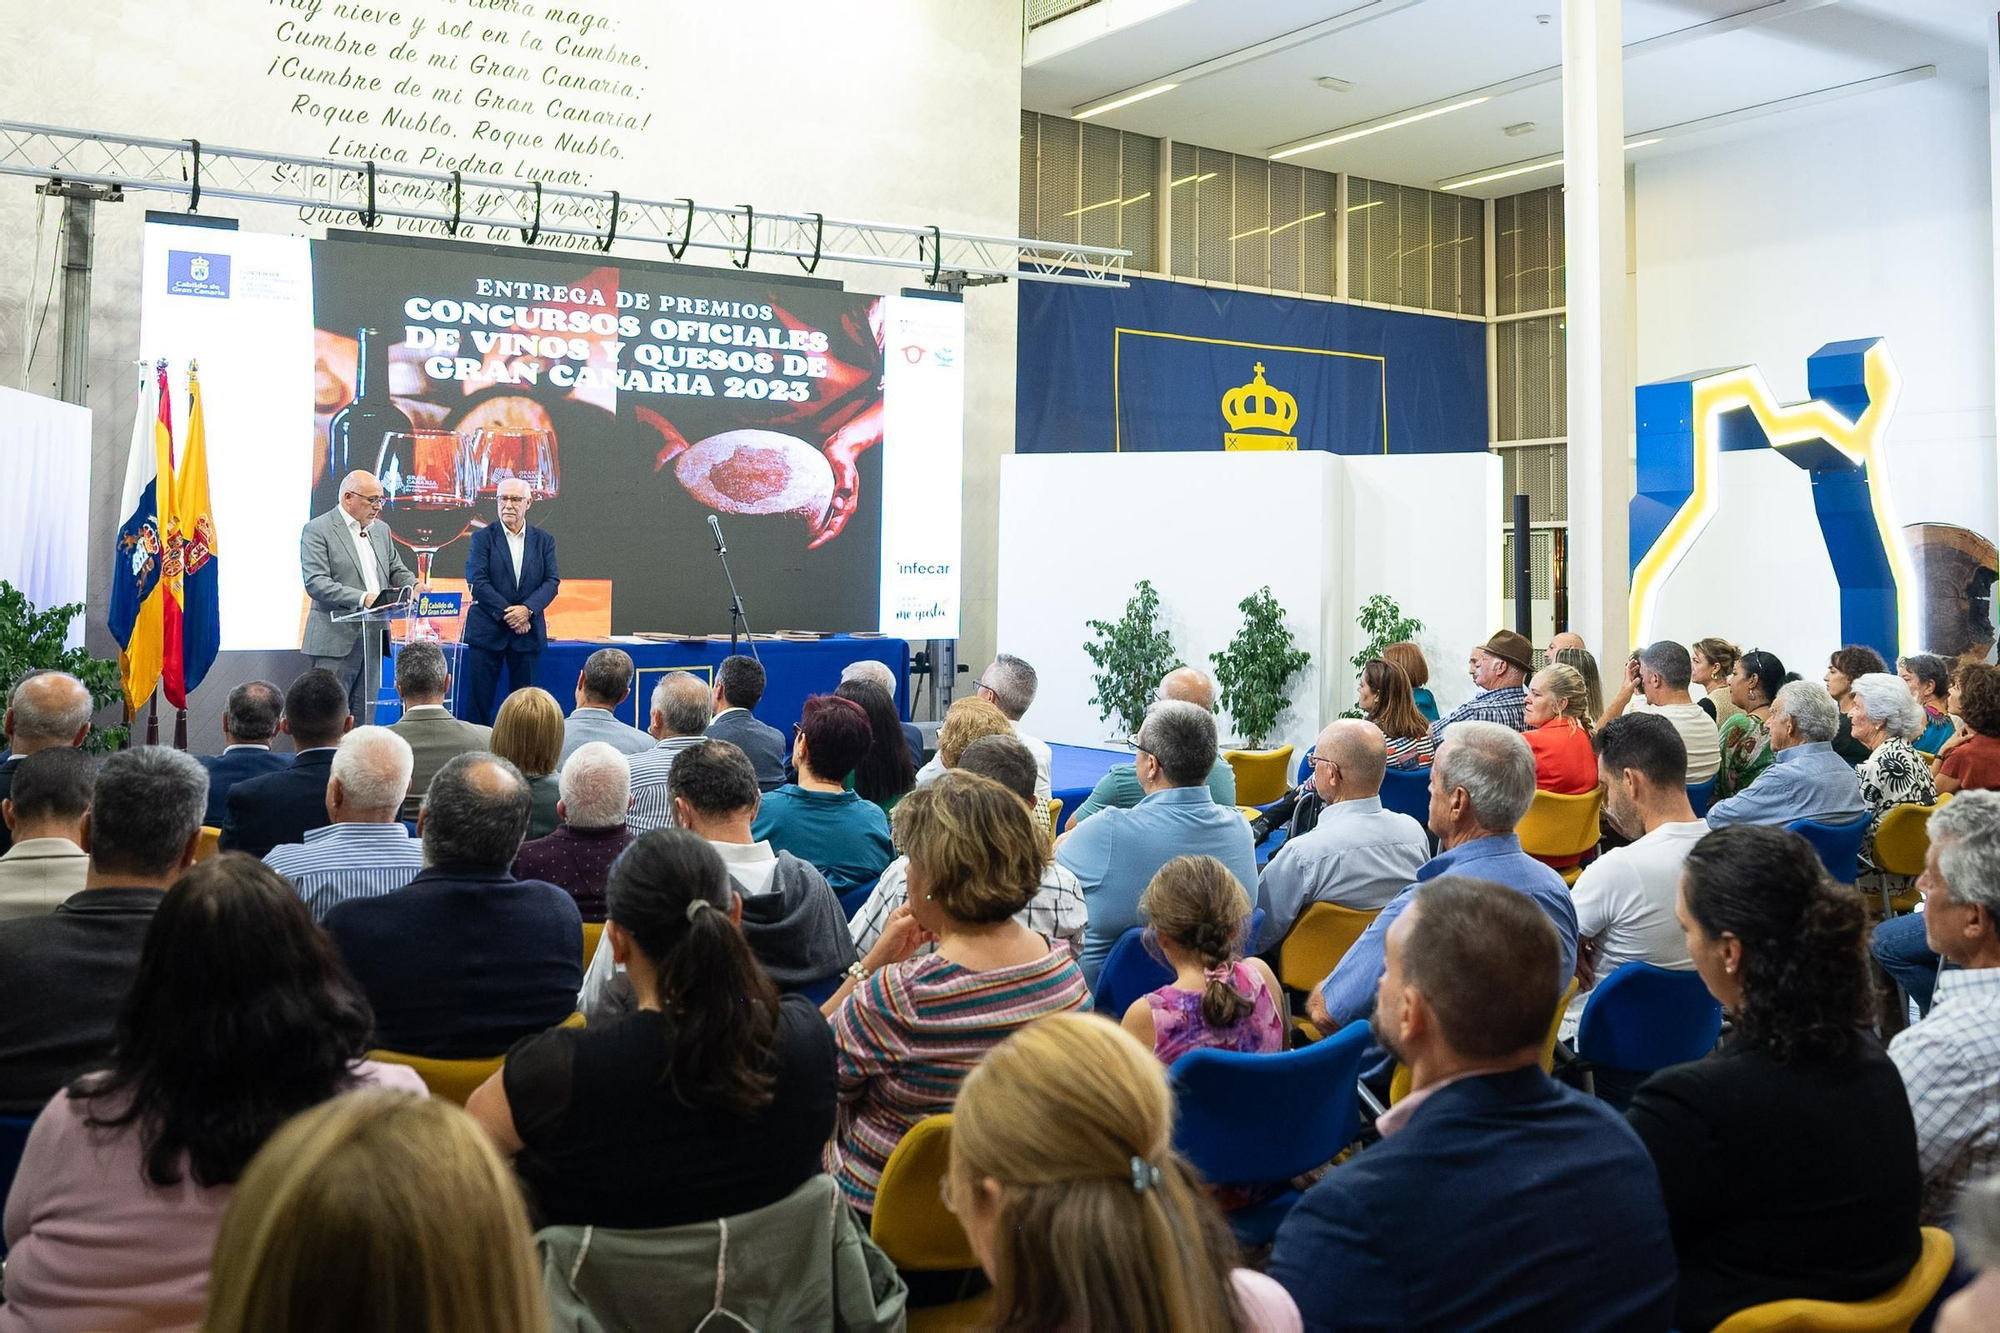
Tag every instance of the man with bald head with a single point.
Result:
(1358, 855)
(511, 572)
(46, 709)
(1119, 789)
(1565, 639)
(349, 561)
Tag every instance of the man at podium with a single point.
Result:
(512, 574)
(349, 562)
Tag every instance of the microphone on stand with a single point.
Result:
(739, 624)
(715, 526)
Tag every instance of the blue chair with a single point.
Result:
(1643, 1018)
(13, 1138)
(1309, 1092)
(819, 992)
(1701, 795)
(856, 898)
(1305, 767)
(1128, 972)
(1408, 791)
(1838, 845)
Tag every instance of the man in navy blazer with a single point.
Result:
(249, 720)
(512, 572)
(1497, 1199)
(282, 806)
(739, 685)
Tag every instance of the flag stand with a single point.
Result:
(153, 720)
(180, 728)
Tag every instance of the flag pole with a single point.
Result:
(153, 719)
(180, 728)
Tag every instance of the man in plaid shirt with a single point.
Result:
(1500, 668)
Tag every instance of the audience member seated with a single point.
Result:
(679, 717)
(46, 710)
(437, 1242)
(1950, 1062)
(1197, 919)
(1410, 658)
(249, 720)
(1788, 1156)
(1119, 788)
(466, 960)
(1746, 738)
(1661, 674)
(239, 1017)
(47, 863)
(966, 721)
(364, 852)
(790, 917)
(528, 733)
(423, 681)
(1115, 855)
(1928, 677)
(1056, 912)
(1625, 898)
(1709, 667)
(64, 974)
(1971, 760)
(1806, 779)
(1481, 785)
(816, 818)
(1555, 1218)
(1842, 669)
(595, 791)
(713, 1098)
(1883, 718)
(885, 774)
(1384, 697)
(1581, 661)
(1009, 685)
(739, 687)
(908, 1029)
(1357, 854)
(1103, 1225)
(1976, 1306)
(1500, 668)
(604, 683)
(282, 806)
(879, 675)
(1557, 724)
(1560, 640)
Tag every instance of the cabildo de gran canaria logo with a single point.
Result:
(1259, 416)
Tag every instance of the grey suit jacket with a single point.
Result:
(598, 724)
(435, 737)
(334, 582)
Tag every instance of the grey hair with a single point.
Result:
(421, 672)
(145, 807)
(373, 767)
(684, 703)
(1494, 766)
(868, 669)
(1013, 683)
(1978, 1225)
(1966, 832)
(607, 675)
(41, 715)
(253, 710)
(1181, 736)
(1670, 662)
(1888, 703)
(476, 812)
(596, 786)
(1812, 710)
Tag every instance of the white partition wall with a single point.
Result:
(45, 503)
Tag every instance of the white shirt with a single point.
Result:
(751, 866)
(1625, 901)
(364, 555)
(1698, 732)
(516, 543)
(935, 769)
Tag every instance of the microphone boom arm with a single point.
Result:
(737, 619)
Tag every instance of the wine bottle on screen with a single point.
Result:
(354, 436)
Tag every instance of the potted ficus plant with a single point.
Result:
(1254, 673)
(1131, 654)
(32, 640)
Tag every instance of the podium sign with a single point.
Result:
(442, 605)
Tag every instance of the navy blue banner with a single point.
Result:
(1171, 366)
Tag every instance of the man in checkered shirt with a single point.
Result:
(1950, 1062)
(1500, 667)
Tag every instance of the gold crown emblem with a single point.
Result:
(1257, 406)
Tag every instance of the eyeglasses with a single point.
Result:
(372, 501)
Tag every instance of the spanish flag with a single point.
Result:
(136, 618)
(191, 651)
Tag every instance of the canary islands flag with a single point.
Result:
(191, 652)
(136, 618)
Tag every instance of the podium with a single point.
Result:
(422, 612)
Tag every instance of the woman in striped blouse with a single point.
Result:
(907, 1030)
(1386, 700)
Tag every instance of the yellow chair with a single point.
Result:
(455, 1080)
(1562, 826)
(1902, 837)
(211, 841)
(1055, 809)
(1262, 776)
(916, 1231)
(592, 932)
(1891, 1312)
(1314, 946)
(1399, 1082)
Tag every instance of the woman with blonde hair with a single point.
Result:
(1584, 663)
(529, 733)
(1102, 1226)
(1386, 700)
(1558, 728)
(377, 1211)
(1411, 658)
(1711, 661)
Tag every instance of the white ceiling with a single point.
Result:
(1425, 52)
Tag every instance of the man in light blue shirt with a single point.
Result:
(1481, 785)
(1114, 855)
(364, 852)
(1806, 779)
(1119, 788)
(604, 683)
(1358, 855)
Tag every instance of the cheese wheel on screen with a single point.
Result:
(757, 472)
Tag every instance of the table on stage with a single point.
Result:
(1075, 769)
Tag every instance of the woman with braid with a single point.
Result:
(1197, 915)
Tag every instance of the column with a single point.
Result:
(1600, 373)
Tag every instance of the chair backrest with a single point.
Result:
(1317, 942)
(455, 1080)
(1558, 825)
(593, 931)
(1902, 836)
(1128, 972)
(1054, 808)
(1305, 766)
(211, 842)
(1701, 795)
(911, 1224)
(1308, 1092)
(1262, 776)
(1838, 845)
(1408, 791)
(856, 898)
(1643, 1018)
(1891, 1312)
(13, 1139)
(1399, 1082)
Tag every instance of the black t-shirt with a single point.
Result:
(608, 1143)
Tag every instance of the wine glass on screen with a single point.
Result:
(427, 493)
(525, 453)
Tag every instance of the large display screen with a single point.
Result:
(821, 428)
